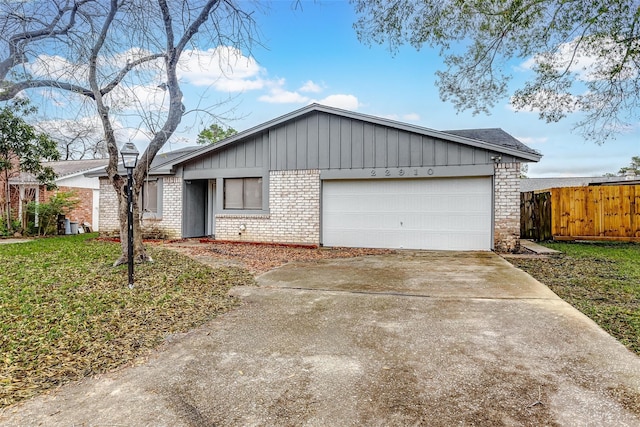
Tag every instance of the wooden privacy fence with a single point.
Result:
(535, 216)
(580, 213)
(602, 212)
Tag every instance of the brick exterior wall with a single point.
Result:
(507, 207)
(83, 212)
(108, 222)
(294, 212)
(169, 225)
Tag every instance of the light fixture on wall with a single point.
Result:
(496, 159)
(243, 228)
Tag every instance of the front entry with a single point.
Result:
(194, 220)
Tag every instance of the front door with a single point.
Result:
(195, 208)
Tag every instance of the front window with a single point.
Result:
(243, 193)
(150, 197)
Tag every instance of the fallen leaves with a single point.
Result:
(260, 258)
(65, 313)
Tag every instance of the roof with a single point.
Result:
(537, 184)
(494, 136)
(491, 139)
(63, 169)
(157, 164)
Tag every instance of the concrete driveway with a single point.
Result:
(416, 338)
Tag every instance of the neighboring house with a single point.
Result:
(325, 176)
(541, 184)
(71, 178)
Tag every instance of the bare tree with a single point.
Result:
(76, 139)
(106, 53)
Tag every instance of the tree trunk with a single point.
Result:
(7, 195)
(139, 252)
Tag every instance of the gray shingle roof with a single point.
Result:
(62, 168)
(493, 136)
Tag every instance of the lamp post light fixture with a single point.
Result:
(129, 154)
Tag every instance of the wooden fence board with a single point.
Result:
(607, 212)
(535, 216)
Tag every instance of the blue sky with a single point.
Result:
(311, 54)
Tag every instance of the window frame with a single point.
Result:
(143, 198)
(243, 207)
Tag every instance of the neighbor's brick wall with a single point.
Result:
(83, 212)
(507, 207)
(108, 220)
(294, 212)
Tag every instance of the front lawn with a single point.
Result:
(66, 313)
(600, 279)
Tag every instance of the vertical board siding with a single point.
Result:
(404, 149)
(596, 212)
(334, 142)
(357, 145)
(302, 138)
(292, 149)
(345, 144)
(466, 155)
(441, 152)
(392, 148)
(369, 145)
(428, 151)
(326, 141)
(453, 154)
(323, 141)
(380, 141)
(245, 155)
(416, 147)
(313, 143)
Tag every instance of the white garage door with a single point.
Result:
(448, 213)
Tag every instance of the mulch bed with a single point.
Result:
(259, 258)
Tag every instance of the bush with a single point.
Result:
(15, 224)
(60, 204)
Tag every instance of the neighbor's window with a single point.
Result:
(243, 193)
(150, 197)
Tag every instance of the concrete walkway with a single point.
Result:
(417, 338)
(13, 240)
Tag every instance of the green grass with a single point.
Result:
(601, 279)
(66, 313)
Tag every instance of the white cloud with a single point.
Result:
(590, 59)
(532, 140)
(311, 87)
(225, 68)
(56, 67)
(279, 95)
(411, 117)
(346, 102)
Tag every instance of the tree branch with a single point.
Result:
(130, 65)
(14, 88)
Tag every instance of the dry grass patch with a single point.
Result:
(66, 313)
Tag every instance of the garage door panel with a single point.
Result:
(452, 213)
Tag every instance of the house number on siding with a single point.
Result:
(398, 172)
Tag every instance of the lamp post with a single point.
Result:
(129, 154)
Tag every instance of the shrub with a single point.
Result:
(59, 204)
